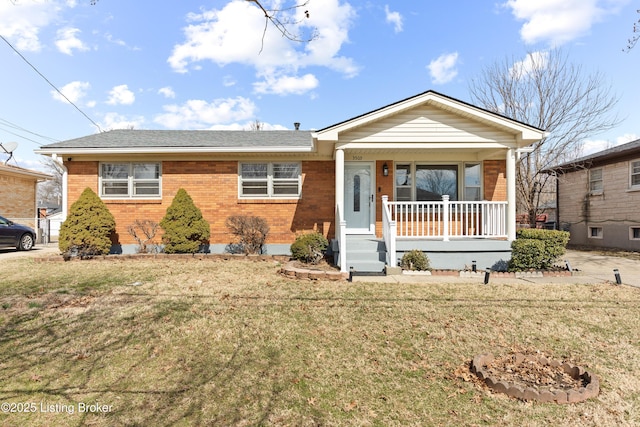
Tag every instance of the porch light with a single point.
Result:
(385, 170)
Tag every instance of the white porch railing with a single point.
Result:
(441, 220)
(342, 237)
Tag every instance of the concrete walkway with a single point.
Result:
(588, 267)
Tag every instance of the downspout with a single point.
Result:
(65, 191)
(557, 201)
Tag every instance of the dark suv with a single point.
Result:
(19, 236)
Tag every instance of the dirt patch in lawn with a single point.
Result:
(535, 377)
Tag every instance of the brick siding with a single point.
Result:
(213, 186)
(17, 197)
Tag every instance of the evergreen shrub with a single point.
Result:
(87, 230)
(309, 248)
(185, 230)
(537, 249)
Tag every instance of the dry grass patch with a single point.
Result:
(233, 343)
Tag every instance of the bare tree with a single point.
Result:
(256, 125)
(548, 92)
(50, 192)
(636, 35)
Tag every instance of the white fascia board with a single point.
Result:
(173, 150)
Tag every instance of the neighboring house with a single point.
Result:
(598, 198)
(428, 172)
(18, 194)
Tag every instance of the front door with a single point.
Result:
(359, 198)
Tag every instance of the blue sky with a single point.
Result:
(203, 65)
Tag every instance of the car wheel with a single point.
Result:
(26, 242)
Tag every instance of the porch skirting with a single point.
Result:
(460, 254)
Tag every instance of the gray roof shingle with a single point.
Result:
(123, 138)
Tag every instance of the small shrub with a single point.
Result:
(251, 233)
(415, 260)
(144, 232)
(87, 230)
(537, 249)
(309, 248)
(185, 230)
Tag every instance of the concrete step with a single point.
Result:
(365, 254)
(360, 266)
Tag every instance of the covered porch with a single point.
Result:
(429, 172)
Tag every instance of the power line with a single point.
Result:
(4, 124)
(50, 84)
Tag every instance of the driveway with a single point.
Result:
(38, 250)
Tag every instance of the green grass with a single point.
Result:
(233, 343)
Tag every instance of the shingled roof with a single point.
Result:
(601, 157)
(147, 140)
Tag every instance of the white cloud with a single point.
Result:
(167, 92)
(234, 34)
(121, 95)
(559, 22)
(286, 85)
(119, 121)
(443, 69)
(590, 146)
(21, 22)
(393, 18)
(67, 41)
(74, 91)
(200, 114)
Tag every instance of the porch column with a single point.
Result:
(339, 176)
(511, 194)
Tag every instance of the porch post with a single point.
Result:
(511, 194)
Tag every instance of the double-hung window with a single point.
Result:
(595, 181)
(270, 180)
(130, 180)
(634, 177)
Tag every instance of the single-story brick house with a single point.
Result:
(598, 198)
(429, 172)
(18, 190)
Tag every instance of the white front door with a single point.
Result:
(359, 199)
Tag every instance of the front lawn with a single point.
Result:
(192, 342)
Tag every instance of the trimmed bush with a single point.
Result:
(537, 249)
(251, 232)
(415, 260)
(87, 230)
(309, 248)
(185, 230)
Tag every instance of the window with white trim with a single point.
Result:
(130, 180)
(432, 181)
(634, 233)
(634, 174)
(269, 180)
(595, 180)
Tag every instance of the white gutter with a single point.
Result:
(172, 150)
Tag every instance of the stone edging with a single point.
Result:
(289, 270)
(519, 392)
